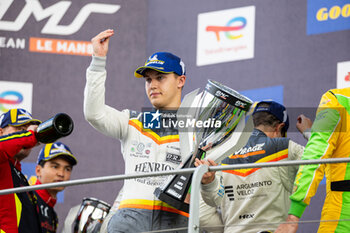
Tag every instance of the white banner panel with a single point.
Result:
(226, 35)
(15, 95)
(343, 74)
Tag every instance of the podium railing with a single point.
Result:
(193, 223)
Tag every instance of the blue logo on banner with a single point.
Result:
(327, 16)
(151, 120)
(274, 93)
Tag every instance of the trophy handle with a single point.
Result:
(175, 192)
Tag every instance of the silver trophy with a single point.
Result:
(90, 216)
(219, 121)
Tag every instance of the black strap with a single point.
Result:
(341, 186)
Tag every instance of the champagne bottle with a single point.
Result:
(61, 125)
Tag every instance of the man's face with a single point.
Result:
(23, 153)
(54, 170)
(163, 90)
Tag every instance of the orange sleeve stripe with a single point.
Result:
(248, 154)
(246, 172)
(275, 157)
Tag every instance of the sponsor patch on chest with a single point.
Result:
(140, 150)
(173, 158)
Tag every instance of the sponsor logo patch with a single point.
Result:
(173, 158)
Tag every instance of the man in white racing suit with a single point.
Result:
(144, 150)
(256, 199)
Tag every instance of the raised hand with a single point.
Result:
(303, 123)
(100, 43)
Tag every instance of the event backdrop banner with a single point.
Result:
(15, 95)
(289, 51)
(343, 74)
(327, 16)
(54, 13)
(224, 36)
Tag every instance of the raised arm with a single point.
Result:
(102, 117)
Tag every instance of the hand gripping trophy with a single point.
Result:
(219, 125)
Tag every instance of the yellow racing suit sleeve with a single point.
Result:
(324, 134)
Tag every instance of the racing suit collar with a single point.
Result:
(257, 132)
(44, 194)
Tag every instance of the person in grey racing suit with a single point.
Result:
(256, 199)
